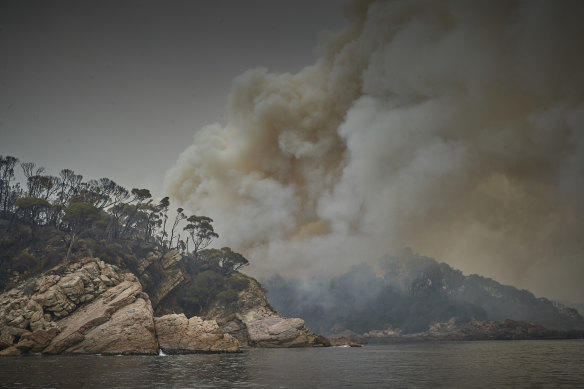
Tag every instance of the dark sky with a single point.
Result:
(117, 88)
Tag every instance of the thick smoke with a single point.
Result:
(455, 128)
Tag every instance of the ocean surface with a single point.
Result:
(490, 364)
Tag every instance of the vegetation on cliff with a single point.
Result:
(47, 220)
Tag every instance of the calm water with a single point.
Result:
(514, 364)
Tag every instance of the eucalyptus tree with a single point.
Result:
(200, 231)
(79, 217)
(32, 209)
(180, 216)
(7, 165)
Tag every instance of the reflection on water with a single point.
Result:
(518, 364)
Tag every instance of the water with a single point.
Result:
(513, 364)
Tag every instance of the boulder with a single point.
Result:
(72, 286)
(179, 335)
(55, 301)
(277, 331)
(120, 321)
(37, 340)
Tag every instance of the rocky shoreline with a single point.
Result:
(91, 307)
(456, 330)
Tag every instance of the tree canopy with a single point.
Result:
(98, 211)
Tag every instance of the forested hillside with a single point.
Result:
(409, 293)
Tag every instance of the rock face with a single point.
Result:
(275, 331)
(179, 335)
(120, 321)
(92, 308)
(254, 323)
(161, 274)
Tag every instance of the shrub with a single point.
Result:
(227, 296)
(238, 283)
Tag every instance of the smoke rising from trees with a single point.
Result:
(455, 128)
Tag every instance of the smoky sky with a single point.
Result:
(455, 128)
(117, 88)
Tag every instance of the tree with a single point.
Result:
(201, 232)
(69, 187)
(104, 193)
(6, 176)
(31, 208)
(225, 260)
(163, 208)
(154, 214)
(179, 217)
(231, 261)
(79, 217)
(32, 181)
(140, 195)
(199, 293)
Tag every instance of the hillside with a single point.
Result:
(408, 294)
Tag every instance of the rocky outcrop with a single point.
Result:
(276, 331)
(92, 307)
(179, 335)
(161, 274)
(120, 321)
(475, 330)
(346, 338)
(171, 279)
(254, 323)
(344, 341)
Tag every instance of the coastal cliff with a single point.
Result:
(92, 307)
(254, 323)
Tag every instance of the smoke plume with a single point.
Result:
(455, 128)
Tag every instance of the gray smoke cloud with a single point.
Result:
(455, 128)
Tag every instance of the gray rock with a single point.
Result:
(177, 334)
(263, 326)
(93, 308)
(120, 321)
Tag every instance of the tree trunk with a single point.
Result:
(71, 243)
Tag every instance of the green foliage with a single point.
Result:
(201, 232)
(30, 202)
(227, 296)
(197, 295)
(238, 282)
(31, 208)
(224, 260)
(209, 286)
(80, 214)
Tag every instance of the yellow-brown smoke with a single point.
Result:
(453, 127)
